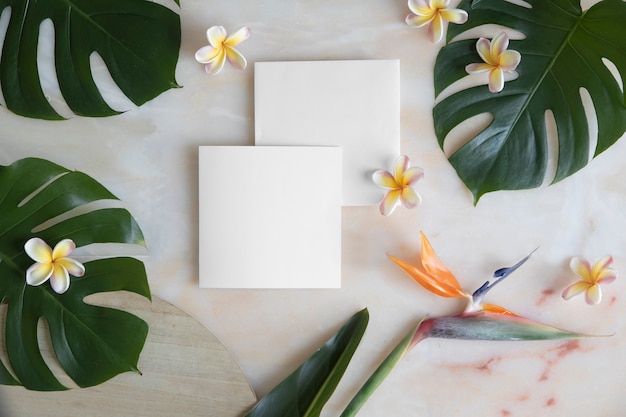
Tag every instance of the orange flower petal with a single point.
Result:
(492, 308)
(427, 281)
(435, 268)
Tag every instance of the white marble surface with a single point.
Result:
(148, 157)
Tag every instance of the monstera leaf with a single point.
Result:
(92, 344)
(562, 53)
(138, 40)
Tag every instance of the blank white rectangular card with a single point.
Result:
(352, 104)
(269, 217)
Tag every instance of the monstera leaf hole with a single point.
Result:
(112, 95)
(462, 133)
(44, 342)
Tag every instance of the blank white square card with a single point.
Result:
(352, 104)
(270, 217)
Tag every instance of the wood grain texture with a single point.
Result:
(185, 371)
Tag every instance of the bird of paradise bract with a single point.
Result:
(478, 321)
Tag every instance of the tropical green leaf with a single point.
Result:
(305, 392)
(383, 370)
(92, 344)
(562, 53)
(139, 41)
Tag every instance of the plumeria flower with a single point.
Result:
(433, 13)
(592, 277)
(52, 264)
(222, 47)
(399, 185)
(497, 59)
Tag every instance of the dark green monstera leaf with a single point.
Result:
(562, 53)
(139, 41)
(92, 344)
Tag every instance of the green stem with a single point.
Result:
(383, 370)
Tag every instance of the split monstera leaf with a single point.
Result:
(564, 50)
(39, 199)
(138, 40)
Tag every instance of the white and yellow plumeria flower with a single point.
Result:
(52, 264)
(221, 47)
(433, 13)
(399, 185)
(496, 59)
(592, 277)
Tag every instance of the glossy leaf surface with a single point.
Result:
(139, 41)
(305, 392)
(92, 344)
(562, 53)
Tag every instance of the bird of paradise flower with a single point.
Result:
(478, 321)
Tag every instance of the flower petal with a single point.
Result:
(478, 68)
(495, 309)
(417, 20)
(574, 289)
(457, 16)
(60, 279)
(215, 66)
(607, 276)
(72, 266)
(483, 47)
(63, 248)
(509, 60)
(438, 4)
(207, 54)
(433, 266)
(496, 80)
(400, 165)
(384, 179)
(389, 202)
(235, 58)
(38, 250)
(39, 273)
(216, 36)
(601, 264)
(435, 30)
(421, 8)
(412, 176)
(582, 268)
(427, 281)
(593, 295)
(410, 198)
(499, 45)
(238, 37)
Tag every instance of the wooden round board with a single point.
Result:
(185, 371)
